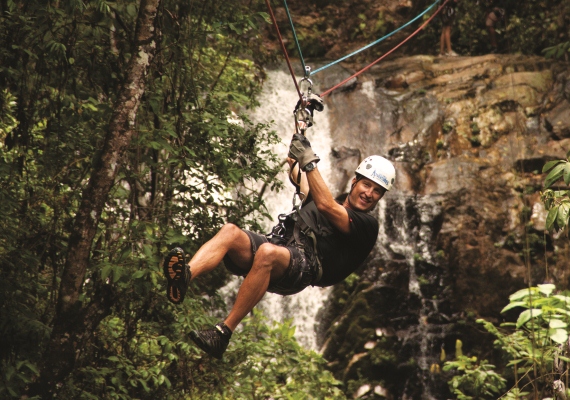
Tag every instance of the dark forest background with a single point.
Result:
(116, 143)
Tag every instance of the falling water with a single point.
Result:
(409, 235)
(277, 102)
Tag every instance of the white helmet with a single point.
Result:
(379, 170)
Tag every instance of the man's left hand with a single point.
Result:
(300, 150)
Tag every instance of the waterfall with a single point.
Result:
(408, 235)
(277, 101)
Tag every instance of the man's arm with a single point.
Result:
(301, 151)
(326, 204)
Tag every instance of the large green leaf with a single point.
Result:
(558, 335)
(546, 288)
(521, 294)
(562, 215)
(564, 299)
(527, 315)
(550, 164)
(556, 323)
(514, 304)
(567, 173)
(551, 217)
(555, 174)
(562, 311)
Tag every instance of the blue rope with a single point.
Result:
(295, 36)
(375, 42)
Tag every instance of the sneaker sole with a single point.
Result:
(174, 271)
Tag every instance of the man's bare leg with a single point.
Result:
(229, 240)
(270, 263)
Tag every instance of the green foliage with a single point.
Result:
(557, 202)
(270, 363)
(514, 394)
(527, 27)
(261, 362)
(447, 126)
(476, 380)
(195, 163)
(558, 51)
(534, 343)
(15, 377)
(370, 29)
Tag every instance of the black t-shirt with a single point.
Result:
(341, 254)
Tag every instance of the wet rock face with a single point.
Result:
(463, 227)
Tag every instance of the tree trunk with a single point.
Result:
(72, 318)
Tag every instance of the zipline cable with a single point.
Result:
(283, 48)
(373, 43)
(295, 35)
(326, 92)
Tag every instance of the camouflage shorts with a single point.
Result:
(300, 273)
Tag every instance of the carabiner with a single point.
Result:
(279, 229)
(310, 82)
(303, 116)
(309, 89)
(297, 196)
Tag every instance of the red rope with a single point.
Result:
(283, 48)
(385, 55)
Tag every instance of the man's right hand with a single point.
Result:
(300, 150)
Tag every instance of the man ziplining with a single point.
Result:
(319, 244)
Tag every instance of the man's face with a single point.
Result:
(365, 194)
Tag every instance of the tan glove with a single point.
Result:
(300, 150)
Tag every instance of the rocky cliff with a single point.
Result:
(464, 226)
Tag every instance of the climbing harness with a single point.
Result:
(291, 229)
(279, 231)
(303, 115)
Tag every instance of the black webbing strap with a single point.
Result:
(302, 227)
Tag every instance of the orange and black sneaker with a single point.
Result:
(177, 273)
